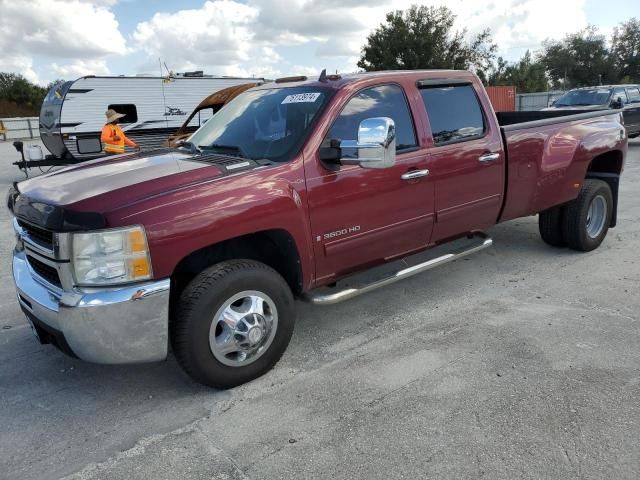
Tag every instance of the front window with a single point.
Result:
(269, 124)
(380, 101)
(620, 94)
(583, 98)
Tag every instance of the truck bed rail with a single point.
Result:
(510, 121)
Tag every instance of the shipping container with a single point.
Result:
(503, 98)
(536, 101)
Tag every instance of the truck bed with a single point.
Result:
(547, 154)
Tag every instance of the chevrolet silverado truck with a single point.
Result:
(289, 191)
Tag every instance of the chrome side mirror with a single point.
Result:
(376, 144)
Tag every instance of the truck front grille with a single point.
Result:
(47, 272)
(40, 235)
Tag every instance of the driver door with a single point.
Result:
(361, 217)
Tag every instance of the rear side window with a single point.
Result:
(634, 95)
(454, 113)
(381, 101)
(129, 111)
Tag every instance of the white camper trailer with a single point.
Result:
(73, 113)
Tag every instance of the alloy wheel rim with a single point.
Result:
(243, 328)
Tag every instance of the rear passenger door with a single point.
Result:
(466, 159)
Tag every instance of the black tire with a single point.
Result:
(575, 226)
(550, 226)
(200, 301)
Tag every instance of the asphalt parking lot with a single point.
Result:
(522, 361)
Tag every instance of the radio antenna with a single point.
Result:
(164, 100)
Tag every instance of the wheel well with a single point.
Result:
(275, 248)
(608, 167)
(610, 162)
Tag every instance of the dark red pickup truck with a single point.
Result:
(289, 189)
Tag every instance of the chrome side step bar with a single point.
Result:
(321, 297)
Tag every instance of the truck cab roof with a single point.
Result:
(339, 81)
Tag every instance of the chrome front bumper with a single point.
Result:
(117, 325)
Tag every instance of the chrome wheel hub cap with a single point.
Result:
(596, 216)
(255, 335)
(243, 328)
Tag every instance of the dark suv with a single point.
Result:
(626, 97)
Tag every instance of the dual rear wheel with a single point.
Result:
(581, 224)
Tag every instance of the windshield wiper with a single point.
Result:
(232, 148)
(189, 146)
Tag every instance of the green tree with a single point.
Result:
(17, 89)
(526, 74)
(496, 74)
(423, 37)
(625, 50)
(581, 59)
(54, 83)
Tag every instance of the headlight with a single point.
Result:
(12, 193)
(17, 230)
(111, 256)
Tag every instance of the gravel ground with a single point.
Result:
(519, 362)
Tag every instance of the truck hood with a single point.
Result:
(105, 184)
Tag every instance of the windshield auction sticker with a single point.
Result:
(301, 98)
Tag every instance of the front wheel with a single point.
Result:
(233, 323)
(587, 218)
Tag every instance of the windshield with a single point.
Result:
(263, 124)
(595, 96)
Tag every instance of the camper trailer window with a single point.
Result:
(88, 145)
(128, 109)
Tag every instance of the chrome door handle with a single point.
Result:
(489, 157)
(413, 174)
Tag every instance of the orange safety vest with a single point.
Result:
(108, 138)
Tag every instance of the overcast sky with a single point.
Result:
(48, 39)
